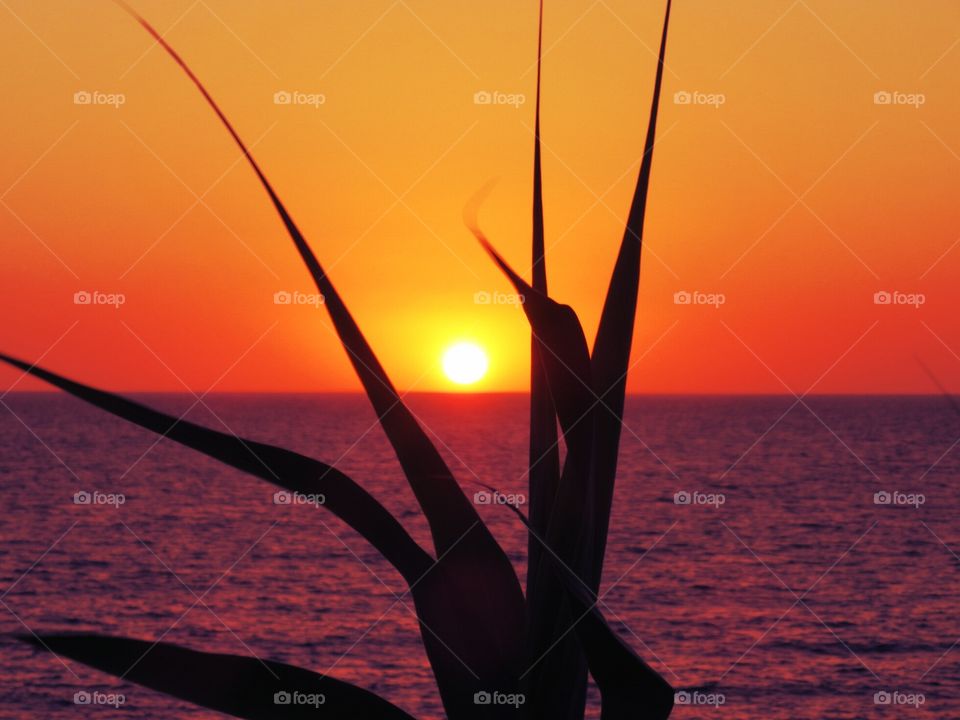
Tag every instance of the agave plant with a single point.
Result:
(481, 632)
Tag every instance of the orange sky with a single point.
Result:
(104, 198)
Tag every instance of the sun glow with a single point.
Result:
(465, 363)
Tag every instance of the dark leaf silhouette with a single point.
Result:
(629, 688)
(448, 511)
(589, 401)
(543, 482)
(244, 687)
(568, 531)
(285, 468)
(611, 351)
(497, 614)
(544, 473)
(478, 631)
(452, 596)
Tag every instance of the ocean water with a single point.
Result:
(751, 560)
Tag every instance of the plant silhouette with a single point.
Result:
(482, 634)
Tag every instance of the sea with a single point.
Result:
(774, 558)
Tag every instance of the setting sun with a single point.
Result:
(465, 363)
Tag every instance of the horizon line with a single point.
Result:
(491, 393)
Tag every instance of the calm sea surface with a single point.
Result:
(797, 596)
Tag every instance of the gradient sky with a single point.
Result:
(796, 199)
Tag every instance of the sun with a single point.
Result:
(465, 363)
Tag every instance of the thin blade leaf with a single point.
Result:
(457, 605)
(558, 684)
(565, 665)
(290, 470)
(629, 688)
(544, 473)
(611, 351)
(566, 358)
(448, 511)
(495, 616)
(243, 687)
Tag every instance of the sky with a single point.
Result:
(803, 196)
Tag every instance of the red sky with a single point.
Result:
(796, 199)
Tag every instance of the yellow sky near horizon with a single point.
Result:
(785, 188)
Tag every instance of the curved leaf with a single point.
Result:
(566, 358)
(244, 687)
(558, 683)
(544, 466)
(290, 470)
(448, 511)
(629, 688)
(611, 351)
(459, 534)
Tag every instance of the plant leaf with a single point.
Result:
(611, 351)
(448, 511)
(290, 470)
(544, 473)
(455, 602)
(494, 638)
(244, 687)
(566, 358)
(629, 688)
(558, 684)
